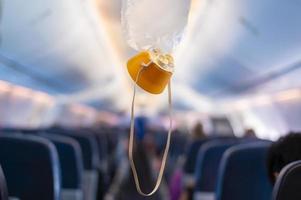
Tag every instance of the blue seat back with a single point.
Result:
(87, 143)
(208, 162)
(102, 144)
(191, 155)
(287, 186)
(71, 160)
(3, 186)
(31, 167)
(243, 173)
(89, 150)
(192, 152)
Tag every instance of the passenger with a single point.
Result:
(140, 127)
(250, 133)
(123, 185)
(189, 182)
(198, 132)
(175, 183)
(286, 150)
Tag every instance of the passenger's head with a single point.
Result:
(286, 150)
(250, 133)
(198, 132)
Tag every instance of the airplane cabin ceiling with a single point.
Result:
(238, 44)
(232, 47)
(60, 43)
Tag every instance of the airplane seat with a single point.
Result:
(191, 157)
(31, 167)
(112, 138)
(101, 159)
(71, 161)
(288, 183)
(189, 165)
(178, 144)
(19, 131)
(104, 178)
(3, 186)
(31, 131)
(102, 144)
(208, 161)
(90, 157)
(243, 173)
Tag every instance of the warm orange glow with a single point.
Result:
(78, 109)
(194, 6)
(44, 99)
(5, 87)
(288, 95)
(242, 104)
(262, 100)
(21, 92)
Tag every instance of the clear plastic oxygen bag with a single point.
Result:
(154, 28)
(154, 24)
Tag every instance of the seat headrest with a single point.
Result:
(31, 167)
(70, 157)
(3, 186)
(288, 183)
(208, 161)
(193, 149)
(243, 173)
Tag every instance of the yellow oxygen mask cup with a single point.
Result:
(151, 70)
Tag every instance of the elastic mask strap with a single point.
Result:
(131, 141)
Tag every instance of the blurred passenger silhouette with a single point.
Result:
(198, 132)
(286, 150)
(250, 133)
(188, 180)
(123, 186)
(140, 127)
